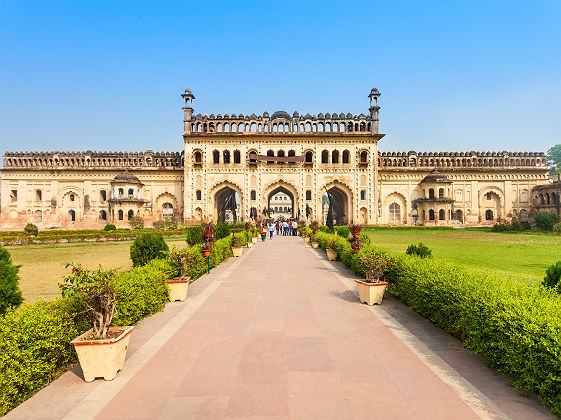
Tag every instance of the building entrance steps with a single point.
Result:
(280, 333)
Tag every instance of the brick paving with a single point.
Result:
(280, 336)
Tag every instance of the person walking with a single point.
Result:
(278, 227)
(290, 228)
(271, 230)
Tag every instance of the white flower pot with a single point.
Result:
(178, 288)
(102, 358)
(371, 293)
(331, 254)
(315, 245)
(237, 251)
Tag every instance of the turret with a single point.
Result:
(374, 109)
(188, 98)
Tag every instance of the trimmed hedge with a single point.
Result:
(515, 327)
(376, 227)
(55, 236)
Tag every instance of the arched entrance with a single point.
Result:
(490, 206)
(335, 206)
(227, 205)
(280, 203)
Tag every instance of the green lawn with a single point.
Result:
(42, 266)
(522, 256)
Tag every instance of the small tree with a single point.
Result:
(420, 250)
(552, 277)
(10, 294)
(375, 264)
(136, 222)
(147, 247)
(95, 293)
(31, 229)
(180, 259)
(545, 221)
(109, 227)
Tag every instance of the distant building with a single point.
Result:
(546, 198)
(256, 158)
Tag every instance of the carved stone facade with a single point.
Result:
(248, 160)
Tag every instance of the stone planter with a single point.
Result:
(102, 358)
(331, 254)
(315, 245)
(306, 239)
(250, 244)
(254, 239)
(178, 288)
(237, 251)
(371, 293)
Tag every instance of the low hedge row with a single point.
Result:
(377, 227)
(35, 340)
(515, 327)
(54, 236)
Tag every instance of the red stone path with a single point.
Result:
(277, 333)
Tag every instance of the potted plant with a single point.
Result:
(356, 244)
(208, 229)
(331, 253)
(371, 290)
(102, 349)
(179, 285)
(237, 246)
(206, 248)
(255, 235)
(355, 229)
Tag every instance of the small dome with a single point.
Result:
(126, 177)
(437, 177)
(280, 114)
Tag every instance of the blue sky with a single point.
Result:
(472, 75)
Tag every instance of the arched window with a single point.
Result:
(431, 214)
(237, 156)
(121, 193)
(290, 154)
(130, 193)
(363, 194)
(309, 157)
(216, 156)
(442, 214)
(346, 156)
(325, 156)
(198, 195)
(253, 195)
(103, 215)
(489, 215)
(226, 156)
(441, 193)
(364, 156)
(280, 153)
(542, 201)
(38, 215)
(335, 156)
(270, 153)
(130, 214)
(120, 214)
(547, 199)
(167, 210)
(72, 215)
(198, 157)
(308, 195)
(103, 195)
(72, 197)
(38, 195)
(395, 213)
(431, 194)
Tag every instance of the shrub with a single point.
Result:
(552, 277)
(179, 260)
(194, 235)
(420, 250)
(139, 292)
(109, 227)
(222, 230)
(31, 229)
(10, 294)
(136, 222)
(545, 221)
(557, 227)
(343, 231)
(325, 229)
(35, 348)
(147, 247)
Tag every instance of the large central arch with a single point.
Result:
(285, 188)
(342, 208)
(225, 200)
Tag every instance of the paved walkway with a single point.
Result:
(280, 333)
